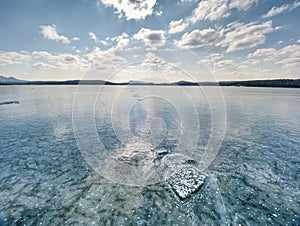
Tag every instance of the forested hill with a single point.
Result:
(285, 83)
(288, 83)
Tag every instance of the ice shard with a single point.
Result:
(185, 180)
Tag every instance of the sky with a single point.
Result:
(153, 40)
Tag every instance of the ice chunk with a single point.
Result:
(161, 152)
(185, 180)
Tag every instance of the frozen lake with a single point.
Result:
(66, 155)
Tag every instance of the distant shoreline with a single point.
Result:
(280, 83)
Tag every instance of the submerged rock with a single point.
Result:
(9, 102)
(185, 180)
(138, 163)
(161, 152)
(132, 164)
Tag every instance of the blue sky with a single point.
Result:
(123, 40)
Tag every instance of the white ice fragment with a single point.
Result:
(185, 180)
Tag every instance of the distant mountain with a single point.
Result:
(71, 82)
(136, 83)
(186, 83)
(287, 83)
(10, 80)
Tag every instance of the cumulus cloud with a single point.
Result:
(218, 9)
(97, 40)
(43, 59)
(49, 32)
(224, 63)
(131, 9)
(159, 13)
(121, 40)
(108, 61)
(42, 65)
(14, 58)
(210, 10)
(275, 10)
(262, 52)
(243, 36)
(107, 57)
(177, 26)
(188, 1)
(241, 5)
(198, 38)
(153, 60)
(290, 63)
(93, 36)
(272, 53)
(236, 36)
(211, 59)
(288, 57)
(151, 37)
(64, 61)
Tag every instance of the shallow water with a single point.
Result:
(52, 160)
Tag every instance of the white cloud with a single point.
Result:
(153, 60)
(269, 54)
(122, 41)
(49, 32)
(106, 59)
(132, 9)
(242, 5)
(151, 37)
(243, 67)
(42, 65)
(14, 58)
(198, 38)
(218, 9)
(188, 1)
(224, 63)
(264, 71)
(177, 26)
(159, 13)
(64, 61)
(43, 59)
(216, 56)
(93, 36)
(210, 10)
(103, 42)
(244, 36)
(288, 57)
(292, 62)
(106, 62)
(262, 52)
(281, 9)
(75, 38)
(211, 59)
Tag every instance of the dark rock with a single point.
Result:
(9, 102)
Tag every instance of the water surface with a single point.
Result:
(45, 178)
